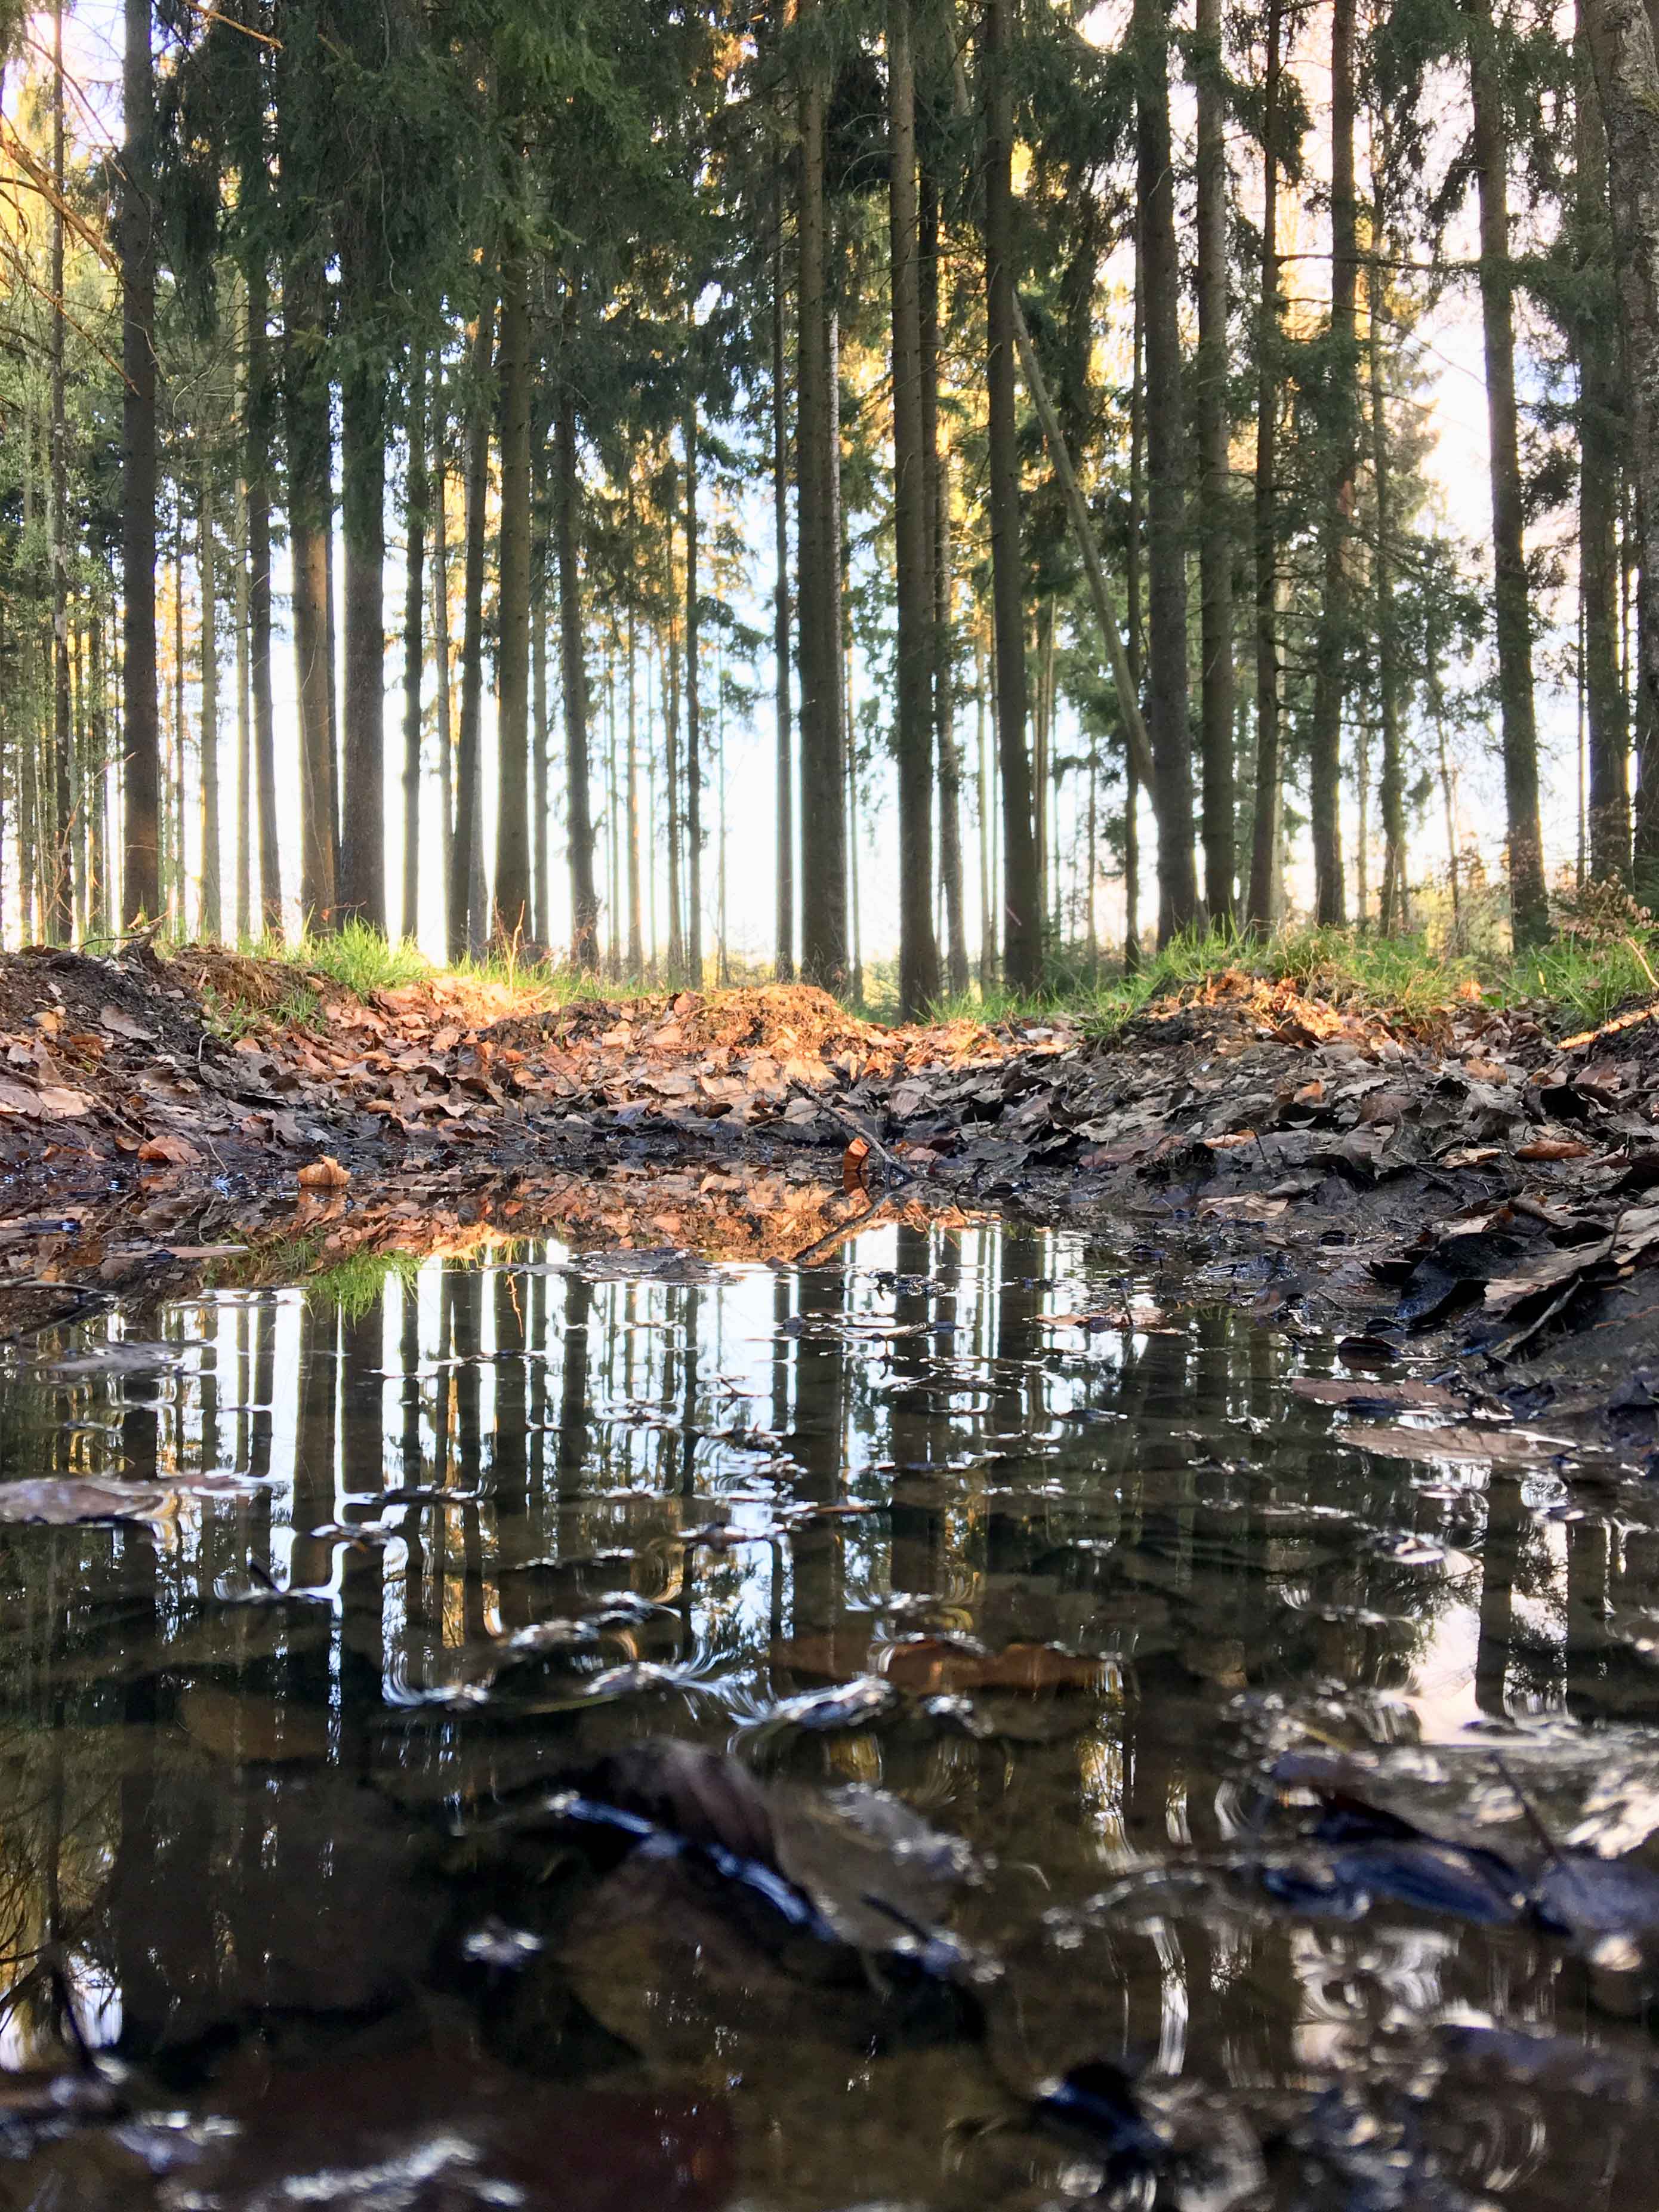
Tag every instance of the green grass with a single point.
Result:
(1595, 964)
(353, 1286)
(1577, 980)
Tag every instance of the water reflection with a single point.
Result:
(511, 1514)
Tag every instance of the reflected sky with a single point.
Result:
(1087, 1564)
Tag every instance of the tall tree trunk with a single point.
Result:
(1529, 905)
(1215, 473)
(467, 918)
(244, 724)
(693, 713)
(310, 503)
(635, 912)
(175, 839)
(362, 815)
(1269, 691)
(61, 923)
(415, 502)
(1342, 421)
(919, 971)
(1395, 907)
(1623, 36)
(1021, 917)
(671, 780)
(513, 915)
(261, 428)
(440, 645)
(141, 870)
(542, 872)
(1135, 649)
(1599, 428)
(1166, 516)
(817, 463)
(583, 901)
(207, 569)
(784, 932)
(936, 462)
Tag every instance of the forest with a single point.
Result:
(531, 474)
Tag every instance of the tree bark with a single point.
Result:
(61, 916)
(1528, 906)
(467, 921)
(784, 932)
(140, 871)
(671, 781)
(1601, 426)
(244, 726)
(207, 569)
(1021, 917)
(1166, 489)
(693, 714)
(1264, 840)
(1624, 36)
(1134, 647)
(538, 726)
(936, 474)
(1215, 477)
(512, 886)
(363, 455)
(261, 428)
(306, 399)
(635, 904)
(583, 899)
(440, 645)
(1395, 913)
(919, 970)
(817, 464)
(417, 499)
(1341, 432)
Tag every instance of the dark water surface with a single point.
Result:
(1010, 1617)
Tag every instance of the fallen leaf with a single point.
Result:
(326, 1174)
(170, 1151)
(69, 1105)
(123, 1025)
(1553, 1148)
(1249, 1205)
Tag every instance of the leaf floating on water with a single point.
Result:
(1384, 1397)
(1506, 1447)
(127, 1356)
(62, 1502)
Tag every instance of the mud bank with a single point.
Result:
(1473, 1189)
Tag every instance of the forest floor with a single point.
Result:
(1466, 1193)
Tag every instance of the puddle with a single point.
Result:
(332, 1870)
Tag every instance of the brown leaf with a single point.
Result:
(1248, 1206)
(1553, 1148)
(172, 1151)
(69, 1105)
(326, 1174)
(123, 1025)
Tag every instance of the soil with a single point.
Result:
(1471, 1190)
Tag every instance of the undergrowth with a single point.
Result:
(1598, 961)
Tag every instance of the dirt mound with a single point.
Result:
(60, 995)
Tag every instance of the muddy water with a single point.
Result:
(1008, 1589)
